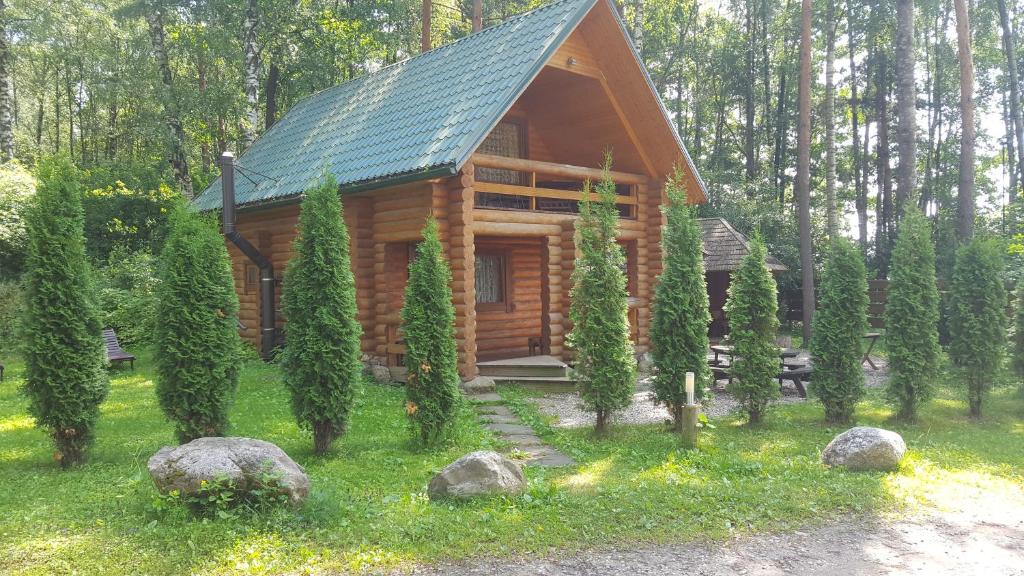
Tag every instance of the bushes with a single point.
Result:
(1018, 336)
(912, 317)
(679, 329)
(63, 349)
(198, 347)
(839, 327)
(605, 363)
(428, 324)
(16, 189)
(752, 309)
(977, 317)
(321, 361)
(127, 295)
(11, 312)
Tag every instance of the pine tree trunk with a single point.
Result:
(965, 186)
(832, 218)
(803, 172)
(6, 121)
(858, 176)
(883, 177)
(178, 159)
(748, 104)
(252, 82)
(1016, 120)
(270, 108)
(906, 128)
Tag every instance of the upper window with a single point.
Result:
(507, 139)
(492, 280)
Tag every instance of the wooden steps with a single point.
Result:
(541, 372)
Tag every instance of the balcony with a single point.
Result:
(534, 186)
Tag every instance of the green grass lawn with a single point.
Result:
(368, 508)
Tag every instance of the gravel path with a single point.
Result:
(984, 537)
(566, 406)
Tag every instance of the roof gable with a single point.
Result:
(725, 247)
(417, 116)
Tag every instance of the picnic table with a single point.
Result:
(871, 337)
(726, 350)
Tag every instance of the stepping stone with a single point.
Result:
(492, 410)
(547, 456)
(509, 428)
(498, 419)
(522, 441)
(486, 397)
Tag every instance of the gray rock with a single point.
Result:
(242, 460)
(381, 374)
(477, 474)
(865, 448)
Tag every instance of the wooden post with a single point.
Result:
(462, 258)
(690, 414)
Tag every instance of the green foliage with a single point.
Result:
(63, 348)
(127, 295)
(1018, 335)
(11, 312)
(16, 189)
(118, 218)
(839, 326)
(321, 358)
(605, 362)
(679, 329)
(428, 324)
(752, 310)
(196, 336)
(978, 317)
(912, 317)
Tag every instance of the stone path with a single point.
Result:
(508, 427)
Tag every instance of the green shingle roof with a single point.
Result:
(423, 115)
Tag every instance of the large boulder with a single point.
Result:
(864, 448)
(479, 473)
(245, 461)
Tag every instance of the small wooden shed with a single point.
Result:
(493, 135)
(724, 249)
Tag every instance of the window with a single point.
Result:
(492, 289)
(507, 139)
(252, 278)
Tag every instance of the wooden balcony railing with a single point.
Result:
(540, 194)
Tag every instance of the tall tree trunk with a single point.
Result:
(56, 109)
(1011, 150)
(831, 210)
(860, 191)
(177, 159)
(1016, 120)
(425, 9)
(803, 171)
(272, 84)
(883, 202)
(748, 104)
(906, 95)
(252, 75)
(478, 15)
(638, 27)
(40, 113)
(205, 153)
(965, 187)
(6, 121)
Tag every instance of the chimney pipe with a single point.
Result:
(268, 330)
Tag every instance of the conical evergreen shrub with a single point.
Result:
(428, 326)
(679, 328)
(197, 343)
(977, 319)
(753, 325)
(65, 380)
(599, 308)
(321, 358)
(839, 326)
(912, 317)
(1018, 337)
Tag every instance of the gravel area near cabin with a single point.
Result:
(566, 406)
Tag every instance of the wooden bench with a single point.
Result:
(114, 351)
(797, 377)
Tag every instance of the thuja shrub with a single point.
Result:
(752, 309)
(65, 380)
(197, 343)
(321, 361)
(599, 308)
(839, 326)
(428, 326)
(1018, 337)
(679, 328)
(977, 319)
(912, 317)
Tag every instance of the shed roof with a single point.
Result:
(419, 118)
(725, 247)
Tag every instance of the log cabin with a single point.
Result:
(494, 135)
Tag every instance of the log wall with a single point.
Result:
(506, 334)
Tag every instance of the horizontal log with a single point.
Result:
(514, 229)
(554, 169)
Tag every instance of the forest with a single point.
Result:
(906, 100)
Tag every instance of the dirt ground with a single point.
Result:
(983, 537)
